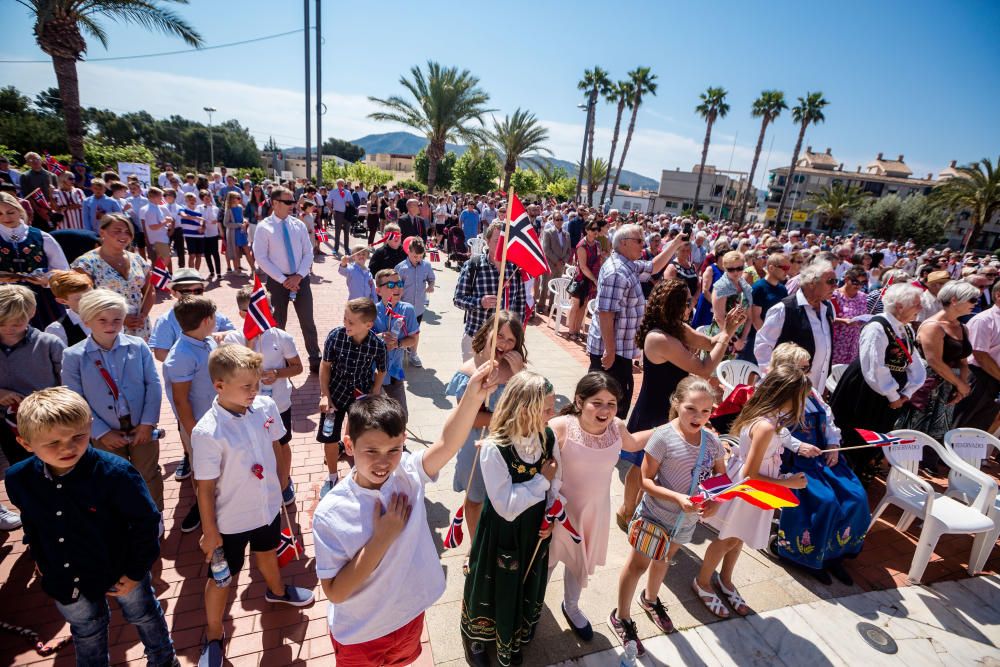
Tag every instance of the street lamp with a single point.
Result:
(211, 142)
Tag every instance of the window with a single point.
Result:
(717, 191)
(800, 178)
(781, 181)
(874, 188)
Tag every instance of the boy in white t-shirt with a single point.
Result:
(236, 454)
(281, 362)
(375, 556)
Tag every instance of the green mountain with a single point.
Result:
(410, 144)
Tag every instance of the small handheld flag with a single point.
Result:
(53, 165)
(322, 236)
(259, 318)
(37, 198)
(160, 276)
(876, 439)
(454, 536)
(433, 254)
(557, 514)
(757, 492)
(289, 548)
(524, 249)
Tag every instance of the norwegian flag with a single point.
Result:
(37, 198)
(289, 548)
(322, 236)
(433, 254)
(524, 249)
(259, 318)
(160, 276)
(557, 514)
(454, 537)
(882, 439)
(53, 165)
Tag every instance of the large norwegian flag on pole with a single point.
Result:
(259, 318)
(524, 248)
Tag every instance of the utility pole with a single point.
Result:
(211, 139)
(308, 135)
(319, 96)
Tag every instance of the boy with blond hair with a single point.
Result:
(91, 524)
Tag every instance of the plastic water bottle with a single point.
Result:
(292, 295)
(328, 425)
(630, 655)
(158, 434)
(220, 569)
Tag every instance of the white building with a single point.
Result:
(719, 191)
(634, 200)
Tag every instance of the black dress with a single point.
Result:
(652, 408)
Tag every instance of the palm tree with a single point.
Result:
(713, 107)
(594, 82)
(519, 137)
(59, 28)
(807, 112)
(594, 171)
(976, 189)
(837, 203)
(446, 101)
(620, 93)
(643, 81)
(767, 107)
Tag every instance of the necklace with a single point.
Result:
(119, 264)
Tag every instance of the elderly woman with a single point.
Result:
(113, 267)
(731, 291)
(832, 517)
(944, 342)
(31, 254)
(886, 373)
(848, 302)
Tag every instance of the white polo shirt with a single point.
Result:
(226, 447)
(407, 581)
(276, 346)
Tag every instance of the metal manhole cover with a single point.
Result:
(877, 638)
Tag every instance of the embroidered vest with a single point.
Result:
(519, 470)
(24, 256)
(897, 358)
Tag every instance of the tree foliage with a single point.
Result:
(519, 138)
(356, 172)
(895, 217)
(527, 181)
(446, 167)
(344, 149)
(837, 203)
(476, 171)
(975, 191)
(99, 155)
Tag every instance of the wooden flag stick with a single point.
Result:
(503, 271)
(843, 449)
(532, 561)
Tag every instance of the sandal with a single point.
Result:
(736, 600)
(710, 600)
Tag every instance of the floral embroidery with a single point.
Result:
(804, 543)
(521, 469)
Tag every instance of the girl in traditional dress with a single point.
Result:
(511, 357)
(590, 439)
(679, 455)
(778, 402)
(508, 566)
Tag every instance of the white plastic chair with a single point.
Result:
(592, 308)
(476, 245)
(560, 301)
(968, 484)
(733, 372)
(570, 272)
(940, 514)
(833, 378)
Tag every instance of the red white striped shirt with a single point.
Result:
(72, 218)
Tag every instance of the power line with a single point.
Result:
(168, 53)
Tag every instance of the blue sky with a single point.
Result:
(914, 78)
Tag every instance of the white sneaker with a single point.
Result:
(415, 360)
(9, 519)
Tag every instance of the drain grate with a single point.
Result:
(877, 638)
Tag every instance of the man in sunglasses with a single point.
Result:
(282, 247)
(804, 318)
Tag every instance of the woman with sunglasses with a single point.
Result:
(849, 301)
(729, 292)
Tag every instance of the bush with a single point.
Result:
(412, 185)
(99, 155)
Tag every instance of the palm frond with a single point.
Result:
(150, 14)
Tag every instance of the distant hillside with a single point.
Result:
(410, 144)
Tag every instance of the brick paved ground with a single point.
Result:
(261, 634)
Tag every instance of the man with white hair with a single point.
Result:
(620, 306)
(804, 318)
(337, 201)
(699, 247)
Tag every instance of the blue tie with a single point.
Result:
(288, 247)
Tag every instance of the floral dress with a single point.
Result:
(846, 336)
(130, 286)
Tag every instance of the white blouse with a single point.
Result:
(872, 346)
(510, 499)
(53, 252)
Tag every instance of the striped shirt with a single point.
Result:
(191, 227)
(72, 218)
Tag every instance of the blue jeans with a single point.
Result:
(88, 621)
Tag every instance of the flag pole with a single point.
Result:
(842, 449)
(503, 271)
(531, 562)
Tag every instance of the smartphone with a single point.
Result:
(687, 229)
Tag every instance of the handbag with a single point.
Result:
(650, 538)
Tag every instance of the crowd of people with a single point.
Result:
(84, 370)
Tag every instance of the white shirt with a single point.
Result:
(276, 345)
(210, 215)
(225, 447)
(59, 331)
(189, 187)
(154, 214)
(767, 338)
(407, 581)
(872, 346)
(269, 248)
(53, 251)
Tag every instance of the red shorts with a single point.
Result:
(399, 647)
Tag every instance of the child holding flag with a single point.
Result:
(236, 456)
(762, 426)
(396, 324)
(679, 455)
(281, 362)
(508, 565)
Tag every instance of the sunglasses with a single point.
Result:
(831, 281)
(392, 284)
(286, 202)
(198, 291)
(734, 269)
(855, 282)
(783, 267)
